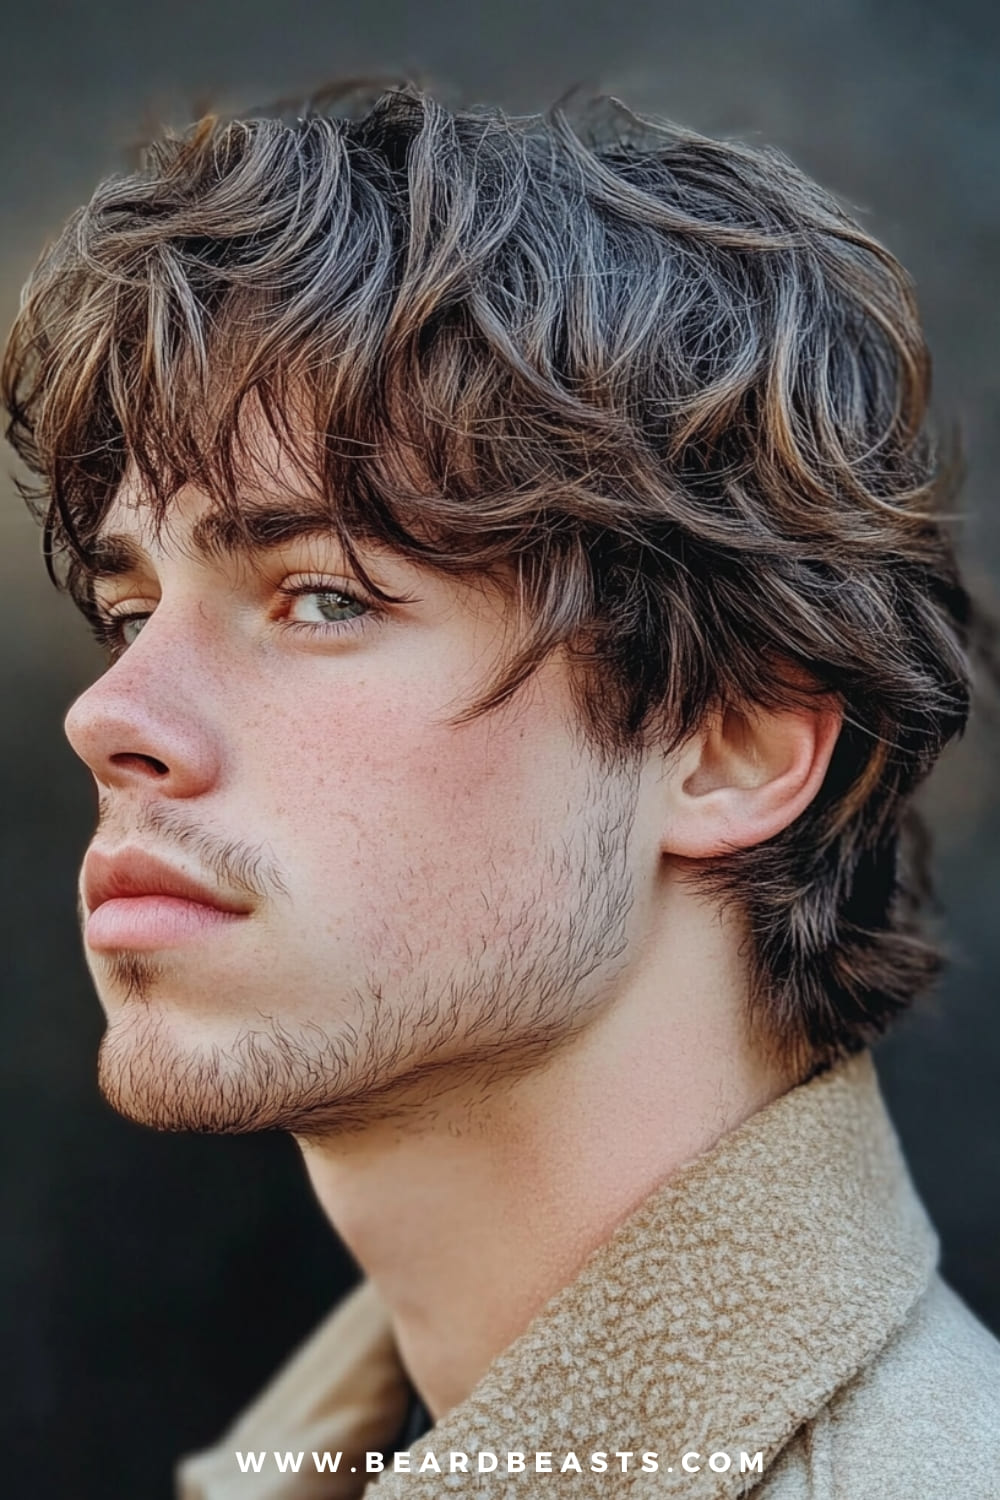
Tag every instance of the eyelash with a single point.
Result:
(107, 628)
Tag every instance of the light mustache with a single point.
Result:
(244, 869)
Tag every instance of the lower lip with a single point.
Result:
(147, 922)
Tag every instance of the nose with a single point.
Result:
(144, 725)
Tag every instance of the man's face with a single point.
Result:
(411, 904)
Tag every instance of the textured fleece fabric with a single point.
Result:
(778, 1295)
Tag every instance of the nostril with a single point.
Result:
(129, 761)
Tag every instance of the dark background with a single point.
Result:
(150, 1284)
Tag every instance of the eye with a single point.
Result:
(322, 608)
(128, 627)
(311, 605)
(116, 632)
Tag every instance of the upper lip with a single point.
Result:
(131, 872)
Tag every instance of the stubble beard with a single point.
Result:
(500, 1012)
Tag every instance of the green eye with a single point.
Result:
(329, 605)
(117, 632)
(318, 607)
(128, 627)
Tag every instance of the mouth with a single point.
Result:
(133, 900)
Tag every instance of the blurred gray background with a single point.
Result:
(150, 1284)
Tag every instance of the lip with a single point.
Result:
(134, 900)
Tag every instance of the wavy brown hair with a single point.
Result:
(659, 386)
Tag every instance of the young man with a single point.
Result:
(530, 611)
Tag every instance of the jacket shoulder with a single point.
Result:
(923, 1418)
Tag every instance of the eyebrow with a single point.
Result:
(215, 537)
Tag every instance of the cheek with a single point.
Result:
(384, 804)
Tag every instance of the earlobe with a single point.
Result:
(744, 777)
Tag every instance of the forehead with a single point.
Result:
(276, 498)
(270, 471)
(134, 539)
(273, 478)
(193, 523)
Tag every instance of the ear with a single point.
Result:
(743, 777)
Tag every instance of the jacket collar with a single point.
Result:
(718, 1317)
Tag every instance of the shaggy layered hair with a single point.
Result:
(659, 386)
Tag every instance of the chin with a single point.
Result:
(155, 1077)
(162, 1067)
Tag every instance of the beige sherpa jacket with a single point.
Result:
(778, 1296)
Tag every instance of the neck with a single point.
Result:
(469, 1219)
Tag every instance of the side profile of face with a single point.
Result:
(388, 903)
